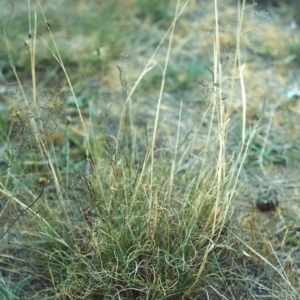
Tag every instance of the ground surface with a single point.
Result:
(95, 39)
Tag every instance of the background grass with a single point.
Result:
(151, 190)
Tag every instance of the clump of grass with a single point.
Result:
(132, 222)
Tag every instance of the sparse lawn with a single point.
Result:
(149, 150)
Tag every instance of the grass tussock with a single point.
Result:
(105, 212)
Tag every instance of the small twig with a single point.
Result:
(42, 182)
